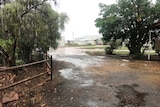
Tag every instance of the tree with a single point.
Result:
(27, 26)
(63, 18)
(40, 31)
(9, 32)
(109, 25)
(128, 20)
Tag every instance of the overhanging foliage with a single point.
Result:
(29, 26)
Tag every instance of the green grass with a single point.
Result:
(102, 53)
(93, 47)
(120, 52)
(72, 45)
(122, 48)
(152, 53)
(86, 46)
(95, 53)
(117, 52)
(82, 46)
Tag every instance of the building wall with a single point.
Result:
(89, 40)
(85, 42)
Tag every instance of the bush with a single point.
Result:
(113, 44)
(109, 50)
(19, 62)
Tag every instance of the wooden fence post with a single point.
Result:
(51, 68)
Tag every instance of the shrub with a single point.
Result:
(109, 50)
(19, 62)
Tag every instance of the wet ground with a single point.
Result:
(101, 81)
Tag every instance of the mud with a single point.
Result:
(101, 81)
(129, 97)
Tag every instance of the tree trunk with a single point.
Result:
(5, 55)
(135, 51)
(12, 60)
(26, 54)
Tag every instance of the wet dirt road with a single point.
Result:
(101, 81)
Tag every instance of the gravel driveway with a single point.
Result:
(101, 81)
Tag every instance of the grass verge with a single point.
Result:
(95, 53)
(115, 52)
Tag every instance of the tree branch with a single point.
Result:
(4, 52)
(34, 6)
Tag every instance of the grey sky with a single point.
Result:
(82, 14)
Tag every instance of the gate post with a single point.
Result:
(51, 68)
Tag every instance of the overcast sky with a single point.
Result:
(82, 14)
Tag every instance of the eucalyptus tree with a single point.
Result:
(10, 24)
(27, 26)
(128, 20)
(63, 19)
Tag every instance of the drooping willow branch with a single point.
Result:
(35, 6)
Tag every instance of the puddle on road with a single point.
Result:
(80, 61)
(87, 83)
(75, 61)
(69, 74)
(91, 103)
(66, 51)
(78, 57)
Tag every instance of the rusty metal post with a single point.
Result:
(51, 68)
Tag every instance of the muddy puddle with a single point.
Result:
(75, 56)
(68, 73)
(101, 81)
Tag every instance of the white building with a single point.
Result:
(89, 40)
